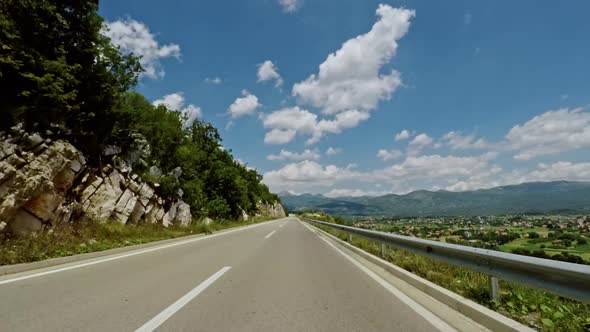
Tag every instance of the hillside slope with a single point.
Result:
(533, 197)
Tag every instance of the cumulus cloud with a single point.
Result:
(307, 154)
(267, 71)
(402, 135)
(213, 80)
(290, 6)
(297, 121)
(176, 102)
(458, 141)
(279, 136)
(550, 133)
(306, 175)
(333, 151)
(388, 154)
(245, 105)
(351, 78)
(418, 143)
(132, 36)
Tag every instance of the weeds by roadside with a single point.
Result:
(85, 237)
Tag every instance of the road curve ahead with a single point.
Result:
(275, 276)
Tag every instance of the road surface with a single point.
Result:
(275, 276)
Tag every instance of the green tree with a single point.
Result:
(57, 68)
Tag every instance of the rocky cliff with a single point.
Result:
(45, 183)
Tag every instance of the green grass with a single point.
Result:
(85, 237)
(530, 306)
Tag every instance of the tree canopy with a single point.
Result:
(60, 74)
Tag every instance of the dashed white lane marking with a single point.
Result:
(155, 322)
(269, 234)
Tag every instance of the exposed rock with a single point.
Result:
(64, 213)
(274, 210)
(111, 150)
(24, 223)
(31, 141)
(155, 171)
(244, 216)
(170, 215)
(177, 172)
(125, 206)
(145, 194)
(183, 214)
(44, 205)
(64, 180)
(179, 193)
(207, 221)
(136, 214)
(40, 184)
(102, 203)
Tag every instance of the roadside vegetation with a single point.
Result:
(85, 237)
(530, 306)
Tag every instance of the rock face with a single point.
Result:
(44, 183)
(274, 210)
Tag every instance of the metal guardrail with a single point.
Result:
(564, 279)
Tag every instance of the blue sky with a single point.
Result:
(489, 93)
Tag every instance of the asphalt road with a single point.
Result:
(276, 276)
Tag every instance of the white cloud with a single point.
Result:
(421, 140)
(351, 78)
(467, 18)
(279, 136)
(333, 151)
(306, 175)
(135, 37)
(550, 133)
(175, 102)
(307, 154)
(267, 71)
(561, 170)
(388, 154)
(302, 122)
(402, 135)
(435, 166)
(245, 105)
(290, 6)
(457, 141)
(418, 143)
(213, 80)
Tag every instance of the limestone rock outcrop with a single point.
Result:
(44, 183)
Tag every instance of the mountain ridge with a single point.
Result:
(523, 198)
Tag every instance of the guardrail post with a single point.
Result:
(349, 238)
(383, 249)
(494, 288)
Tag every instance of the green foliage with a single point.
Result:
(56, 69)
(59, 73)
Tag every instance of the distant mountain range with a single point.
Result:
(527, 198)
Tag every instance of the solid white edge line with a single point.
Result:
(160, 318)
(431, 318)
(269, 235)
(77, 266)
